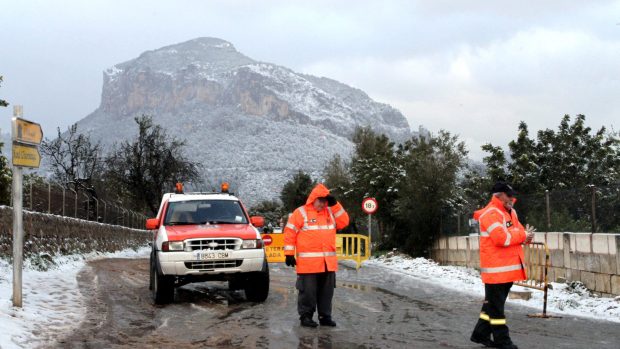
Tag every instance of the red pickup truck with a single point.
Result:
(205, 237)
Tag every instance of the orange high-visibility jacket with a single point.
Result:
(313, 234)
(501, 236)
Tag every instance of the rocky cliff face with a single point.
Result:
(248, 122)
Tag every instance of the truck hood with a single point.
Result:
(183, 232)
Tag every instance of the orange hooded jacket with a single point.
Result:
(313, 234)
(501, 236)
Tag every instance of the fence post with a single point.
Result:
(87, 206)
(63, 201)
(548, 210)
(593, 209)
(458, 223)
(31, 194)
(96, 209)
(105, 208)
(49, 197)
(75, 203)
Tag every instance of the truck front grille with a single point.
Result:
(213, 244)
(212, 265)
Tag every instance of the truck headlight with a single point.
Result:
(252, 243)
(172, 246)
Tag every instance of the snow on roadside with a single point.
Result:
(570, 299)
(52, 302)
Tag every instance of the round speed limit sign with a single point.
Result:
(370, 205)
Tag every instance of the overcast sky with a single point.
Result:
(474, 68)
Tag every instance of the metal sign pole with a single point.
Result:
(369, 235)
(18, 229)
(18, 237)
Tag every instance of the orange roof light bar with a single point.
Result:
(225, 187)
(179, 188)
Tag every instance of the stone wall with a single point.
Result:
(593, 259)
(52, 235)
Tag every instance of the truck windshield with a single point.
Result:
(205, 212)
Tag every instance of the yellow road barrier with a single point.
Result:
(348, 247)
(352, 247)
(537, 267)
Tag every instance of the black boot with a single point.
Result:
(306, 321)
(487, 342)
(327, 321)
(509, 345)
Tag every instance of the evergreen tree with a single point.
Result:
(271, 210)
(495, 162)
(375, 172)
(428, 190)
(295, 192)
(524, 169)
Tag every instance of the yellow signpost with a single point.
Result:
(27, 132)
(26, 155)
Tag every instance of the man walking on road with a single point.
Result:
(501, 263)
(311, 231)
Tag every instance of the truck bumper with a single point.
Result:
(187, 263)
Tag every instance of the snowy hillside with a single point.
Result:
(248, 122)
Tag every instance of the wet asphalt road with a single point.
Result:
(374, 309)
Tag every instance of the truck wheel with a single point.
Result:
(257, 285)
(162, 288)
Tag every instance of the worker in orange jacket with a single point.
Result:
(311, 232)
(501, 263)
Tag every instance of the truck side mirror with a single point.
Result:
(257, 221)
(152, 223)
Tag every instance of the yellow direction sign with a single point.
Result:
(25, 131)
(26, 155)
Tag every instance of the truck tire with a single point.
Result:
(257, 285)
(161, 286)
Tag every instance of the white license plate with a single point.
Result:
(204, 255)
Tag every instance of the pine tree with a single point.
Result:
(375, 172)
(495, 163)
(524, 169)
(428, 189)
(295, 192)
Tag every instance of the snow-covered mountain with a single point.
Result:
(248, 122)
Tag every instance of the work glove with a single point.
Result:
(290, 261)
(530, 232)
(331, 200)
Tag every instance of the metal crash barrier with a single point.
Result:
(352, 247)
(537, 265)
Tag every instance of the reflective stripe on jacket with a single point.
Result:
(313, 234)
(501, 236)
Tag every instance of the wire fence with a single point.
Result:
(49, 197)
(589, 209)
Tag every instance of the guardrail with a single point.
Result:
(537, 267)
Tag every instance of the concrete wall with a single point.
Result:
(56, 235)
(593, 259)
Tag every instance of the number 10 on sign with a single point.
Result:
(370, 206)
